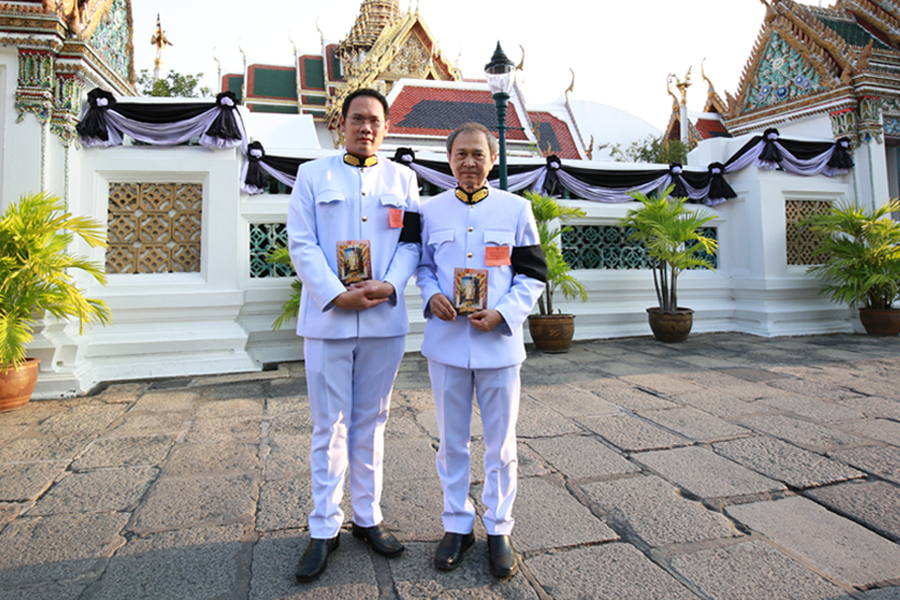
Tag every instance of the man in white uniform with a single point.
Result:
(354, 331)
(477, 227)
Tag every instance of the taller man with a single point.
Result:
(481, 257)
(353, 230)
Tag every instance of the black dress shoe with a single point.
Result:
(450, 551)
(502, 556)
(315, 558)
(379, 539)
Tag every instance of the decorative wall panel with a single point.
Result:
(801, 243)
(608, 247)
(264, 237)
(154, 228)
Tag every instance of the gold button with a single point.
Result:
(469, 255)
(365, 219)
(363, 193)
(471, 230)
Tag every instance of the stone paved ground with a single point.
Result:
(727, 467)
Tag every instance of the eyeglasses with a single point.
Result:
(373, 122)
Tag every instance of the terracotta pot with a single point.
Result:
(671, 327)
(552, 333)
(16, 387)
(878, 321)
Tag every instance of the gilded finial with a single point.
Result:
(571, 85)
(159, 40)
(521, 62)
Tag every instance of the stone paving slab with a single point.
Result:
(783, 462)
(570, 401)
(705, 474)
(720, 404)
(416, 579)
(124, 452)
(89, 418)
(696, 424)
(876, 504)
(608, 572)
(177, 502)
(749, 569)
(548, 516)
(285, 504)
(845, 551)
(537, 420)
(286, 456)
(632, 398)
(883, 461)
(581, 457)
(812, 436)
(410, 459)
(350, 574)
(632, 434)
(883, 430)
(105, 490)
(874, 406)
(655, 512)
(191, 564)
(813, 408)
(158, 401)
(215, 457)
(27, 481)
(44, 448)
(57, 548)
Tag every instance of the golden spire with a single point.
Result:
(374, 16)
(159, 40)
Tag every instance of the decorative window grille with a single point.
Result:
(264, 237)
(608, 247)
(154, 228)
(801, 243)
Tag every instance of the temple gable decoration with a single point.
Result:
(384, 46)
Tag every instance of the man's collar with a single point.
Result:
(473, 198)
(356, 161)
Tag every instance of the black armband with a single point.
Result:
(530, 261)
(412, 228)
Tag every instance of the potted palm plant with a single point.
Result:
(670, 233)
(861, 253)
(35, 234)
(553, 332)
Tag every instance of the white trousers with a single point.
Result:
(349, 384)
(497, 391)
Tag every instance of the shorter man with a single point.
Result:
(487, 239)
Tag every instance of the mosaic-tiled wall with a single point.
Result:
(801, 243)
(154, 227)
(608, 247)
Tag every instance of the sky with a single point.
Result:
(620, 50)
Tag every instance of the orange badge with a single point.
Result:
(395, 219)
(496, 256)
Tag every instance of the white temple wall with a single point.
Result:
(219, 319)
(20, 162)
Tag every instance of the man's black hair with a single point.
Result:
(345, 107)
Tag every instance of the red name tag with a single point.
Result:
(395, 219)
(496, 256)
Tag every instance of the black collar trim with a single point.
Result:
(355, 161)
(473, 198)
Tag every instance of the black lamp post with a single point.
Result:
(501, 76)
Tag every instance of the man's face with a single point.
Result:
(471, 160)
(364, 126)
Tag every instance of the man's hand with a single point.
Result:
(486, 320)
(374, 289)
(441, 307)
(355, 298)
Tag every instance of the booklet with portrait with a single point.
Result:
(470, 288)
(354, 262)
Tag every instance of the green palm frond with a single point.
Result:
(548, 214)
(671, 234)
(860, 252)
(280, 255)
(35, 264)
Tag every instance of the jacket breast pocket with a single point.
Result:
(498, 237)
(392, 201)
(436, 238)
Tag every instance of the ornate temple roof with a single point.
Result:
(374, 16)
(809, 59)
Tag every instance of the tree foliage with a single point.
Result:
(861, 252)
(652, 149)
(174, 84)
(290, 308)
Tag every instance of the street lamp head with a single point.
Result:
(500, 72)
